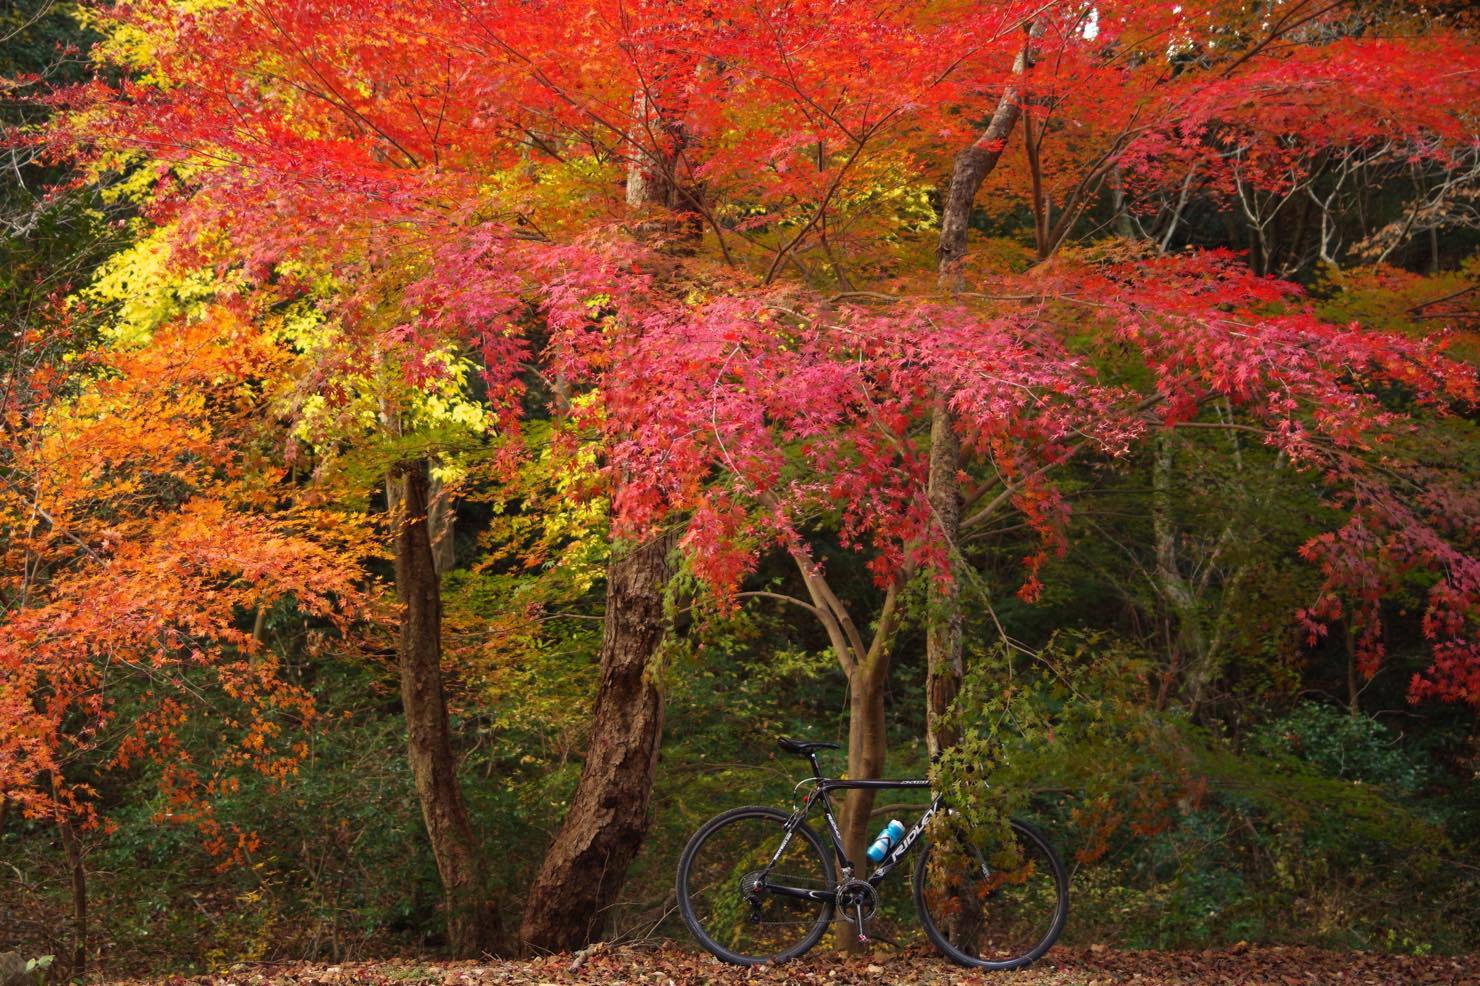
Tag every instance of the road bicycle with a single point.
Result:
(756, 885)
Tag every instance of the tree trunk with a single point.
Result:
(472, 920)
(607, 820)
(866, 752)
(944, 662)
(1193, 655)
(971, 168)
(943, 657)
(1124, 228)
(441, 519)
(608, 816)
(649, 169)
(73, 849)
(866, 667)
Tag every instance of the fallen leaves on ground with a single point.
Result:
(668, 965)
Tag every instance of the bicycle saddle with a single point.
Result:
(803, 747)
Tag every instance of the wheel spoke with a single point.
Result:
(728, 908)
(991, 908)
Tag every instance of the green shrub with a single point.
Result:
(1178, 838)
(1336, 743)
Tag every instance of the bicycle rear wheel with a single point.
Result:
(989, 909)
(720, 894)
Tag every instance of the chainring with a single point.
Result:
(856, 892)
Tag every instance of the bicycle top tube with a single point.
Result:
(827, 784)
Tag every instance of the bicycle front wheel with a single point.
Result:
(723, 881)
(992, 908)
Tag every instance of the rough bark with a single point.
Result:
(649, 172)
(653, 180)
(944, 661)
(608, 815)
(472, 919)
(441, 520)
(607, 820)
(944, 664)
(971, 168)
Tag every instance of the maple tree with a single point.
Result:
(147, 525)
(711, 240)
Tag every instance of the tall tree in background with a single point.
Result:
(608, 817)
(358, 420)
(972, 166)
(473, 924)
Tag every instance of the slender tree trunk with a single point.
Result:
(1193, 655)
(472, 919)
(971, 168)
(866, 754)
(866, 666)
(608, 816)
(1124, 228)
(944, 662)
(73, 849)
(945, 665)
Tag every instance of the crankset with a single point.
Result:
(857, 900)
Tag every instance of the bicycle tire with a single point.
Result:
(686, 897)
(1060, 914)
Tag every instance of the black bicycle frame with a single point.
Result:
(819, 793)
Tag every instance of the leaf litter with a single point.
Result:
(670, 965)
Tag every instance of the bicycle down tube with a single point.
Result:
(819, 793)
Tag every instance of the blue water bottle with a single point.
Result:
(886, 841)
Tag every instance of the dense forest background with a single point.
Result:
(1214, 768)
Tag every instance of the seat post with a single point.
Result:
(816, 767)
